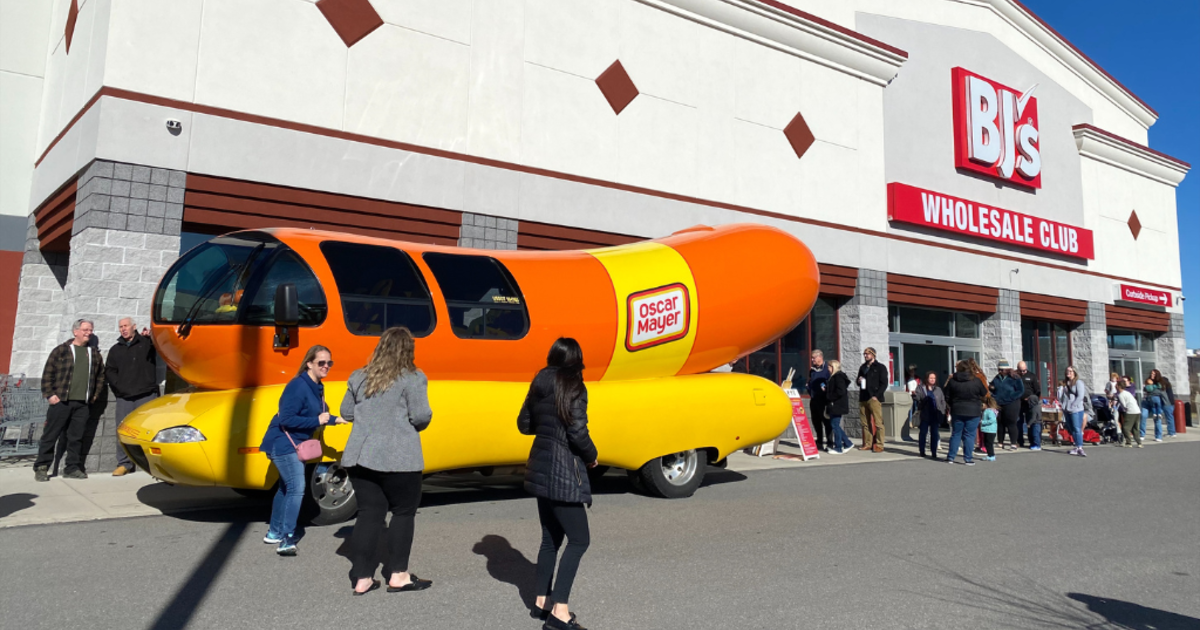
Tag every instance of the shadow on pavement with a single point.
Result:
(1134, 616)
(179, 612)
(12, 503)
(204, 505)
(508, 565)
(1027, 603)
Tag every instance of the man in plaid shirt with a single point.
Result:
(71, 382)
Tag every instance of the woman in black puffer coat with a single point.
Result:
(555, 412)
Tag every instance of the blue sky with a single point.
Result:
(1152, 47)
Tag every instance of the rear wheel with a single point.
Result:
(330, 496)
(674, 476)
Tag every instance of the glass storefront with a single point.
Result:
(818, 331)
(1131, 353)
(1046, 350)
(930, 340)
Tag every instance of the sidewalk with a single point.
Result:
(24, 501)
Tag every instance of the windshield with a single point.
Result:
(232, 279)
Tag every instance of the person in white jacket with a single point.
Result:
(1131, 415)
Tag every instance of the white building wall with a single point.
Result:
(24, 35)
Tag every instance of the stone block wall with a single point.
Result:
(1170, 358)
(1089, 345)
(125, 235)
(1001, 332)
(487, 232)
(863, 322)
(41, 299)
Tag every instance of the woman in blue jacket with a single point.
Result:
(302, 410)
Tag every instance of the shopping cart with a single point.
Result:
(22, 416)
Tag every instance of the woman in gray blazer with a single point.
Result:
(388, 403)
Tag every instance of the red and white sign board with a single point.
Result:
(996, 130)
(657, 316)
(908, 204)
(1145, 296)
(804, 430)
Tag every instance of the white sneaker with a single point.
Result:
(1157, 439)
(834, 451)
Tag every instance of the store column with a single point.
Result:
(40, 305)
(1002, 332)
(1171, 357)
(864, 323)
(1089, 344)
(125, 235)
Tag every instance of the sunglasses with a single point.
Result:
(322, 364)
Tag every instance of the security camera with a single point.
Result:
(174, 127)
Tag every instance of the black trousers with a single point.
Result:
(989, 444)
(66, 418)
(1009, 415)
(822, 427)
(559, 520)
(379, 493)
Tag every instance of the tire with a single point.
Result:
(329, 496)
(674, 476)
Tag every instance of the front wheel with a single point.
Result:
(330, 497)
(674, 476)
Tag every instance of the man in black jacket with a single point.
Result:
(872, 383)
(818, 376)
(1031, 407)
(132, 373)
(71, 382)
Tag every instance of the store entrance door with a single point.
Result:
(928, 357)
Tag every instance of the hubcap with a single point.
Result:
(680, 468)
(331, 486)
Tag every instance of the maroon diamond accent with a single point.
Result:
(351, 19)
(799, 135)
(72, 16)
(1135, 226)
(617, 87)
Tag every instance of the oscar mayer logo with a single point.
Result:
(996, 130)
(657, 316)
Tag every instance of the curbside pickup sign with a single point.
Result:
(1145, 296)
(914, 206)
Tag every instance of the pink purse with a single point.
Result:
(307, 450)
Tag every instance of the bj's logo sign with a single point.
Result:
(996, 130)
(657, 316)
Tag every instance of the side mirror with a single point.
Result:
(287, 305)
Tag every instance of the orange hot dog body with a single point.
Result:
(744, 286)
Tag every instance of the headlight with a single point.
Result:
(175, 435)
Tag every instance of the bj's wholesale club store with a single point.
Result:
(971, 184)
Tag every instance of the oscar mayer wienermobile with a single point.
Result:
(234, 316)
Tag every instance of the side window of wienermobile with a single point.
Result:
(483, 298)
(206, 285)
(380, 287)
(285, 267)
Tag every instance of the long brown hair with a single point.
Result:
(1071, 381)
(567, 356)
(393, 357)
(311, 356)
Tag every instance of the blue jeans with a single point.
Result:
(285, 509)
(840, 440)
(962, 431)
(1169, 412)
(1074, 422)
(929, 426)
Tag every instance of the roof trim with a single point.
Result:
(1026, 21)
(789, 30)
(1123, 153)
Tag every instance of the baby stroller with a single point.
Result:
(1104, 421)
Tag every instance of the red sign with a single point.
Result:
(1145, 296)
(907, 204)
(996, 130)
(804, 431)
